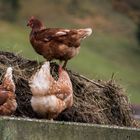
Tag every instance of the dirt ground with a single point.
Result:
(99, 102)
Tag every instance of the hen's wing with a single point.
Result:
(10, 104)
(49, 34)
(71, 37)
(63, 89)
(3, 95)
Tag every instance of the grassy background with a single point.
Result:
(112, 48)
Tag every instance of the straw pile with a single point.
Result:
(94, 101)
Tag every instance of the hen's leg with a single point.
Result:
(60, 67)
(65, 63)
(59, 70)
(60, 63)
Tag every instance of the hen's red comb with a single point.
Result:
(32, 17)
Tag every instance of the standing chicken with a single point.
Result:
(56, 43)
(50, 97)
(8, 102)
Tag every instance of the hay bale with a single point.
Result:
(94, 102)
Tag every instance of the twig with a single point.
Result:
(95, 83)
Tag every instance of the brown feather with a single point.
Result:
(50, 97)
(7, 96)
(56, 43)
(3, 95)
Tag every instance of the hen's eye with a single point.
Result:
(31, 24)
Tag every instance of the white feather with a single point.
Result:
(88, 31)
(61, 33)
(9, 77)
(44, 104)
(40, 82)
(9, 73)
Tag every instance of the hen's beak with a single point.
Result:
(28, 24)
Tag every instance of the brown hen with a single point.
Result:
(56, 43)
(50, 97)
(8, 102)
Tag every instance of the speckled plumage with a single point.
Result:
(50, 97)
(8, 102)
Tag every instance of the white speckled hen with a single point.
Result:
(50, 97)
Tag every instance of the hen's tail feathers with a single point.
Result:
(8, 82)
(40, 82)
(83, 33)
